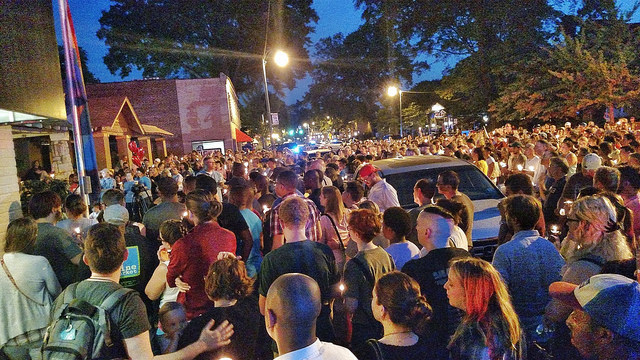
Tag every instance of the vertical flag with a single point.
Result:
(77, 107)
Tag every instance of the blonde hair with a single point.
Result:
(294, 211)
(600, 213)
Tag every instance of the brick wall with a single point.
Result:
(9, 191)
(204, 111)
(154, 101)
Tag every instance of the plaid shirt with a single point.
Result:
(311, 228)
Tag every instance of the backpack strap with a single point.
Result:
(376, 348)
(107, 305)
(336, 229)
(365, 271)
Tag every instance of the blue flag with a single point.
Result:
(76, 102)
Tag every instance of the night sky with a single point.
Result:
(335, 16)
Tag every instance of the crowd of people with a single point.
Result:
(262, 255)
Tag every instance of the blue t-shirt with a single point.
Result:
(255, 226)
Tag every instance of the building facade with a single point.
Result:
(199, 113)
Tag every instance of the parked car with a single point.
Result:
(403, 173)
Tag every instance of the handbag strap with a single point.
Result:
(6, 270)
(336, 229)
(376, 348)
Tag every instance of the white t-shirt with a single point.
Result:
(459, 238)
(319, 351)
(384, 195)
(402, 252)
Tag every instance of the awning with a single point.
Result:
(242, 137)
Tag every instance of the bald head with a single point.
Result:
(434, 227)
(295, 301)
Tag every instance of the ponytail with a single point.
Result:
(203, 205)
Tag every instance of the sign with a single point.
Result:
(274, 119)
(131, 266)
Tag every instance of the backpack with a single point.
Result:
(80, 330)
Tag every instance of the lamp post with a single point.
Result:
(394, 90)
(281, 59)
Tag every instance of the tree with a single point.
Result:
(414, 116)
(197, 39)
(591, 69)
(252, 108)
(352, 73)
(487, 36)
(88, 76)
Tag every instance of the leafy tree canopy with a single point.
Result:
(201, 38)
(88, 76)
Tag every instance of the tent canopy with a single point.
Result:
(242, 137)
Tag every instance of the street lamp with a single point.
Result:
(394, 90)
(281, 59)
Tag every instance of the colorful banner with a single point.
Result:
(76, 102)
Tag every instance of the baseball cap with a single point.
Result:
(612, 301)
(591, 162)
(116, 215)
(367, 170)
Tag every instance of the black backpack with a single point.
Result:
(80, 330)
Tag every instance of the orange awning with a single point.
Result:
(242, 137)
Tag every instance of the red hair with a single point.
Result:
(487, 303)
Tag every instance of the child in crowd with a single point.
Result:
(170, 232)
(173, 319)
(95, 211)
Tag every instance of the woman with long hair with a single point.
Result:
(334, 223)
(490, 328)
(594, 238)
(478, 160)
(29, 286)
(192, 255)
(403, 312)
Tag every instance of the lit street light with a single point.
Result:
(281, 59)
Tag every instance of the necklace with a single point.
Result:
(398, 332)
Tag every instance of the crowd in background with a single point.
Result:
(210, 235)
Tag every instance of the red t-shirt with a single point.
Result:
(191, 257)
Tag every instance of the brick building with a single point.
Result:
(199, 113)
(115, 123)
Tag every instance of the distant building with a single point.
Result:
(199, 113)
(115, 124)
(33, 121)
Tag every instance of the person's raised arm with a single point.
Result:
(139, 346)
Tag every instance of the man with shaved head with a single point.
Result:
(434, 228)
(292, 306)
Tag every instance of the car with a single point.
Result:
(294, 147)
(403, 172)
